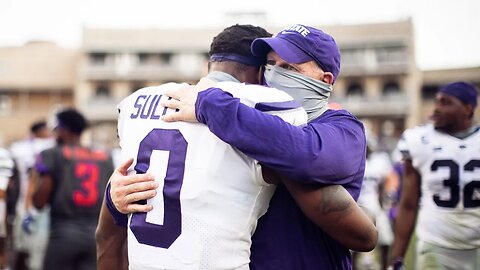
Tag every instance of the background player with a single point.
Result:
(71, 179)
(7, 172)
(374, 196)
(30, 242)
(442, 163)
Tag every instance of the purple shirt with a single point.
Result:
(329, 150)
(287, 240)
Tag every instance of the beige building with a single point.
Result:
(115, 63)
(379, 81)
(34, 80)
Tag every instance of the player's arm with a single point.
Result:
(31, 187)
(42, 178)
(334, 210)
(43, 189)
(297, 152)
(407, 211)
(111, 242)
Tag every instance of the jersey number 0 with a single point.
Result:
(153, 234)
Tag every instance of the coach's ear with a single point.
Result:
(328, 77)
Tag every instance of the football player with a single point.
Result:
(442, 164)
(71, 180)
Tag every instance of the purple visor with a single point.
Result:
(242, 59)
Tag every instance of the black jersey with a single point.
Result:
(79, 177)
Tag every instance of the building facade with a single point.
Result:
(34, 80)
(379, 80)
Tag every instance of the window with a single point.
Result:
(206, 56)
(5, 103)
(98, 58)
(390, 89)
(392, 54)
(137, 85)
(355, 90)
(429, 91)
(166, 58)
(353, 57)
(102, 91)
(146, 58)
(143, 58)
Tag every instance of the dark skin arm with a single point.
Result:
(407, 210)
(43, 189)
(111, 243)
(334, 210)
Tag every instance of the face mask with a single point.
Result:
(310, 93)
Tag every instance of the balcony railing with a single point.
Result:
(100, 109)
(397, 104)
(142, 72)
(359, 68)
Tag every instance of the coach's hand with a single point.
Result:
(127, 190)
(183, 101)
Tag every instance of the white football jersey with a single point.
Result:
(6, 169)
(377, 167)
(449, 214)
(210, 195)
(24, 153)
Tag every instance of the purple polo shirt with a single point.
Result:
(329, 150)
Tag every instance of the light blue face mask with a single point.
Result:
(310, 93)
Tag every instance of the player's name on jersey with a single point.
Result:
(80, 153)
(148, 107)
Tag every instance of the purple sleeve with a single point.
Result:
(45, 161)
(118, 218)
(330, 149)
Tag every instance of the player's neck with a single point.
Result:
(72, 141)
(242, 73)
(461, 132)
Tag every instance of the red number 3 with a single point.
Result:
(88, 173)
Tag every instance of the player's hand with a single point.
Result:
(183, 101)
(127, 190)
(397, 265)
(29, 224)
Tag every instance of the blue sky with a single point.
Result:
(447, 33)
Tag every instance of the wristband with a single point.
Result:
(397, 264)
(118, 218)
